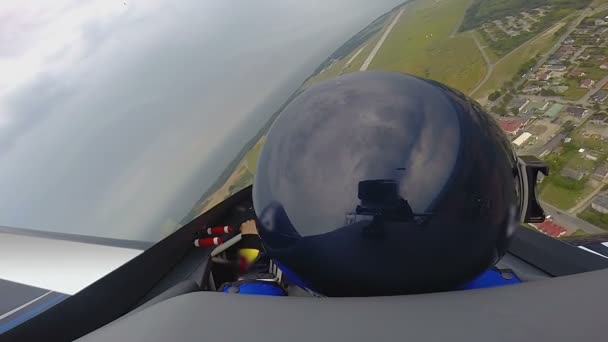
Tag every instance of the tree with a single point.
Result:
(501, 110)
(515, 111)
(596, 106)
(494, 96)
(507, 98)
(548, 92)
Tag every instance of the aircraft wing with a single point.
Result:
(596, 244)
(40, 269)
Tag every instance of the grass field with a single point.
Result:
(597, 3)
(563, 198)
(350, 63)
(594, 72)
(421, 43)
(590, 143)
(579, 162)
(574, 93)
(560, 191)
(594, 217)
(251, 159)
(493, 57)
(509, 66)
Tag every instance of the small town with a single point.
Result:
(557, 111)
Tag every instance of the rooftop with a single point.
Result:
(510, 125)
(518, 102)
(577, 111)
(576, 73)
(551, 229)
(554, 110)
(601, 171)
(599, 117)
(600, 95)
(601, 200)
(571, 173)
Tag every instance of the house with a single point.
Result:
(543, 76)
(604, 66)
(600, 172)
(510, 126)
(587, 83)
(519, 103)
(600, 22)
(520, 140)
(600, 96)
(572, 174)
(569, 41)
(556, 67)
(537, 107)
(549, 228)
(600, 203)
(531, 89)
(599, 118)
(577, 111)
(577, 73)
(554, 111)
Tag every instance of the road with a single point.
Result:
(355, 56)
(581, 205)
(599, 85)
(489, 64)
(376, 48)
(568, 221)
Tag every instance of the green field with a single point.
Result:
(508, 67)
(596, 3)
(594, 217)
(251, 159)
(594, 72)
(579, 162)
(592, 144)
(561, 197)
(343, 66)
(562, 192)
(421, 44)
(574, 93)
(492, 56)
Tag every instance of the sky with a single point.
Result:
(115, 116)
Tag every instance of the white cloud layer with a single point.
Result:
(115, 118)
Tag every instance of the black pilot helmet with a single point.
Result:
(380, 183)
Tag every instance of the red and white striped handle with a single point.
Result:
(207, 242)
(219, 230)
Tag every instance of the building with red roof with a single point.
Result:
(551, 229)
(511, 126)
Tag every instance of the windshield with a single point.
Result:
(127, 119)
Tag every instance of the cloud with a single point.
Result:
(112, 116)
